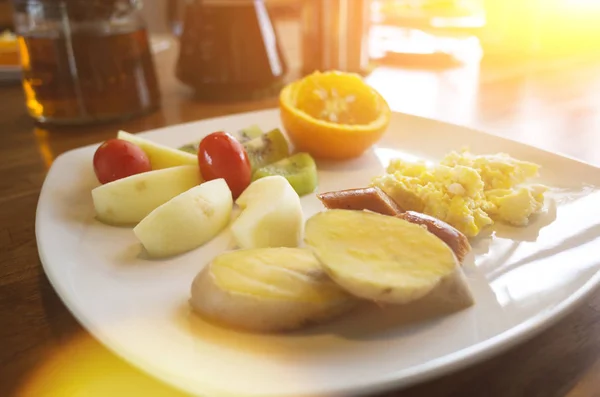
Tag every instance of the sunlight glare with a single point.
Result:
(581, 3)
(83, 367)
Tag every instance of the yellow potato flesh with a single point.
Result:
(267, 290)
(281, 273)
(379, 257)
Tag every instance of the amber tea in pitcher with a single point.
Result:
(85, 61)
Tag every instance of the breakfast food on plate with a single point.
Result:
(375, 200)
(187, 221)
(267, 290)
(129, 200)
(458, 242)
(117, 159)
(220, 155)
(262, 148)
(351, 256)
(271, 215)
(515, 206)
(333, 115)
(160, 156)
(386, 259)
(497, 171)
(248, 133)
(398, 241)
(242, 136)
(300, 170)
(370, 198)
(465, 190)
(267, 154)
(266, 149)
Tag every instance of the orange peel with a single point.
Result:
(333, 115)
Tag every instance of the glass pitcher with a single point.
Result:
(85, 61)
(229, 49)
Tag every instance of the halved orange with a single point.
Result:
(333, 115)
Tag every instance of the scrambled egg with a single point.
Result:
(467, 191)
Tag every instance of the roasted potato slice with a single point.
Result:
(267, 290)
(386, 259)
(376, 200)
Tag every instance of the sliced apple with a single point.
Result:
(160, 156)
(267, 289)
(186, 221)
(129, 200)
(386, 259)
(271, 215)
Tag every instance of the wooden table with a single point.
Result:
(45, 352)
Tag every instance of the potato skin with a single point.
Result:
(370, 198)
(451, 293)
(445, 232)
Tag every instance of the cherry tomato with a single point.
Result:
(220, 155)
(116, 159)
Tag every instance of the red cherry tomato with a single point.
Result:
(116, 159)
(221, 156)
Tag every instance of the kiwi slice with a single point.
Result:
(248, 134)
(242, 136)
(190, 147)
(267, 149)
(300, 170)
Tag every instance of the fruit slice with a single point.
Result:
(129, 200)
(386, 259)
(300, 170)
(267, 290)
(160, 156)
(186, 221)
(271, 215)
(242, 136)
(267, 149)
(248, 133)
(191, 148)
(333, 115)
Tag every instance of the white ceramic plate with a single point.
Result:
(522, 279)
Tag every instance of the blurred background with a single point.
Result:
(506, 30)
(505, 66)
(470, 41)
(439, 32)
(501, 65)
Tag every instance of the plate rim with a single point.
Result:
(433, 369)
